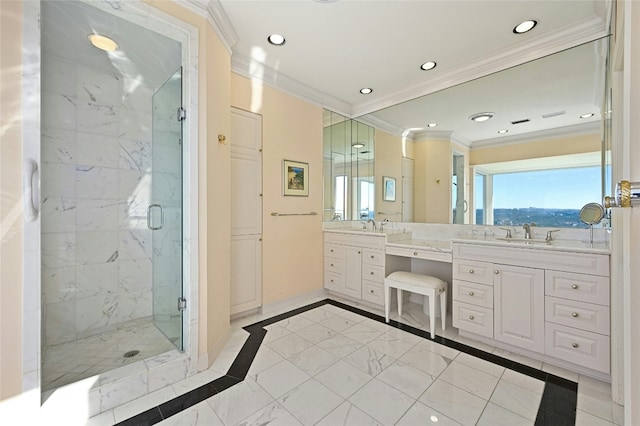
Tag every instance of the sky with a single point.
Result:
(559, 189)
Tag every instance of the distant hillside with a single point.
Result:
(564, 218)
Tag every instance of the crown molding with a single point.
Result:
(560, 132)
(248, 68)
(216, 16)
(584, 32)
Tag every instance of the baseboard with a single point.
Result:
(295, 301)
(205, 361)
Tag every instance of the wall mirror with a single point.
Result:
(348, 168)
(538, 158)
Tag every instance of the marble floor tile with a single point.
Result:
(289, 345)
(494, 415)
(518, 358)
(340, 345)
(382, 402)
(369, 360)
(420, 414)
(362, 333)
(313, 360)
(199, 414)
(426, 361)
(454, 402)
(406, 379)
(239, 401)
(317, 315)
(585, 419)
(265, 358)
(315, 333)
(595, 401)
(280, 378)
(273, 414)
(560, 372)
(348, 414)
(517, 399)
(310, 402)
(470, 379)
(338, 323)
(344, 379)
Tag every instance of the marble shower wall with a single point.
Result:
(95, 186)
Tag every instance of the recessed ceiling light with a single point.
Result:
(366, 90)
(586, 115)
(525, 26)
(432, 124)
(503, 131)
(358, 145)
(481, 116)
(276, 39)
(428, 66)
(103, 43)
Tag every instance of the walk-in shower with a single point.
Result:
(111, 193)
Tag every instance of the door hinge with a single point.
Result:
(182, 114)
(182, 304)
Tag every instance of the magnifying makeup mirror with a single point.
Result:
(591, 214)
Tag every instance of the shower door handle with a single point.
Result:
(29, 195)
(149, 225)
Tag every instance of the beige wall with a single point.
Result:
(432, 181)
(537, 149)
(292, 246)
(388, 162)
(10, 199)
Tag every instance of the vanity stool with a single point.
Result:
(416, 283)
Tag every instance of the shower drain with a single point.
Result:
(131, 354)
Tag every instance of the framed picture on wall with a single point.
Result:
(295, 178)
(388, 188)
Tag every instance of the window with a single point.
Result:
(550, 198)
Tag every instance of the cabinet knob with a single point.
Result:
(331, 250)
(471, 271)
(470, 293)
(471, 317)
(495, 271)
(574, 314)
(331, 280)
(574, 345)
(372, 273)
(371, 291)
(332, 265)
(372, 256)
(415, 253)
(358, 252)
(574, 286)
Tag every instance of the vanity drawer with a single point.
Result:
(476, 319)
(334, 251)
(475, 294)
(580, 347)
(585, 288)
(373, 292)
(474, 271)
(585, 316)
(373, 273)
(437, 255)
(333, 281)
(333, 264)
(373, 257)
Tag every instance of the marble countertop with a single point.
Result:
(401, 239)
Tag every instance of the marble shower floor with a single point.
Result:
(72, 361)
(331, 363)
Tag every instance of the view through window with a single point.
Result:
(551, 198)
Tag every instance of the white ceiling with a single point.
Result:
(333, 49)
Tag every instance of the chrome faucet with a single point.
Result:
(373, 224)
(527, 231)
(384, 222)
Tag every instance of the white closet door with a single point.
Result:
(246, 211)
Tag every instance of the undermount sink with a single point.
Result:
(524, 240)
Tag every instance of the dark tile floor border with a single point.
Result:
(557, 406)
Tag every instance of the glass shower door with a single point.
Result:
(164, 213)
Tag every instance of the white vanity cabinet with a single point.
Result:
(553, 303)
(354, 265)
(503, 302)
